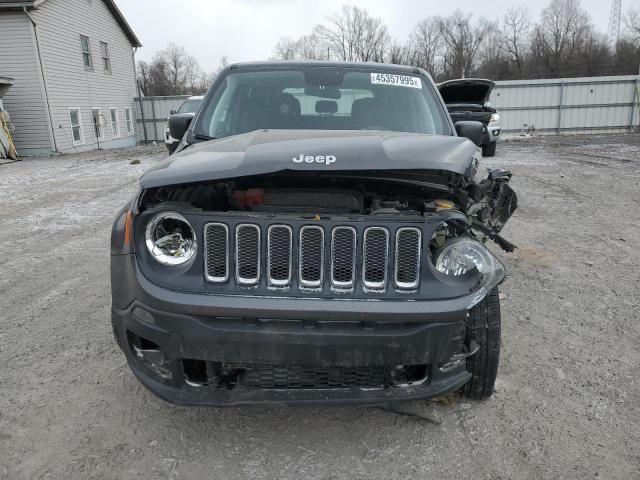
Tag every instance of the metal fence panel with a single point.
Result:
(568, 105)
(152, 113)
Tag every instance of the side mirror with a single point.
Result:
(173, 112)
(179, 123)
(474, 131)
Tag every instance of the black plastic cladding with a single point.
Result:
(191, 277)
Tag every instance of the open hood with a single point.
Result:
(474, 91)
(271, 151)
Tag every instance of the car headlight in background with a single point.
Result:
(462, 255)
(495, 117)
(170, 239)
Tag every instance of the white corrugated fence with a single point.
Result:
(568, 105)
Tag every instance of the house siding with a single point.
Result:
(69, 85)
(25, 100)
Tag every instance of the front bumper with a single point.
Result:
(204, 349)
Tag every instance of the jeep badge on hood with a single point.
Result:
(326, 159)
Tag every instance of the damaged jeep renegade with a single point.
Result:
(320, 236)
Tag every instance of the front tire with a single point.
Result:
(489, 150)
(483, 326)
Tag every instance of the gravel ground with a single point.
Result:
(567, 403)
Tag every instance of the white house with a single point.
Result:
(73, 67)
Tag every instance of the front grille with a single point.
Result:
(297, 377)
(343, 257)
(407, 268)
(332, 258)
(217, 252)
(279, 258)
(248, 254)
(375, 257)
(229, 376)
(311, 256)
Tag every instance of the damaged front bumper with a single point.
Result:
(217, 350)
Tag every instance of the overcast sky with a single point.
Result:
(247, 30)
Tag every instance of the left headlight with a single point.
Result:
(170, 239)
(495, 117)
(462, 255)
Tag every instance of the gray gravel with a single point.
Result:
(568, 396)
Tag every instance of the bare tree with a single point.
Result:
(354, 35)
(492, 61)
(427, 44)
(172, 71)
(461, 39)
(144, 79)
(307, 47)
(632, 25)
(286, 49)
(514, 31)
(563, 29)
(400, 54)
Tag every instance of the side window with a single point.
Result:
(76, 126)
(85, 45)
(106, 60)
(129, 119)
(115, 127)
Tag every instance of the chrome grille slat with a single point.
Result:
(279, 253)
(407, 257)
(375, 257)
(311, 256)
(343, 257)
(216, 252)
(248, 254)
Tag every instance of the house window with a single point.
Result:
(76, 126)
(98, 122)
(106, 60)
(115, 128)
(129, 119)
(85, 44)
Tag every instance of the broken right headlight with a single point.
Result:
(462, 255)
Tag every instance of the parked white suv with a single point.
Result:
(190, 105)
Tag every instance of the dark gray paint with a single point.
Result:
(270, 151)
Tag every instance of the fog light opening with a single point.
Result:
(195, 372)
(150, 356)
(410, 375)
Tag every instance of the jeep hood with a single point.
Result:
(271, 151)
(474, 91)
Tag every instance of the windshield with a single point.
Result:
(321, 98)
(191, 105)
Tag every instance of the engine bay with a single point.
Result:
(488, 204)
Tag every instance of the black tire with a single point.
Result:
(483, 327)
(489, 150)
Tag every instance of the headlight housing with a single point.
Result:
(461, 255)
(495, 117)
(170, 239)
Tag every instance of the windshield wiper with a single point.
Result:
(199, 136)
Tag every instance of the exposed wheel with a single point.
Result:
(483, 327)
(489, 150)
